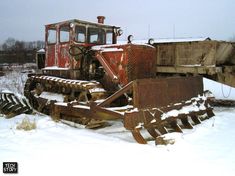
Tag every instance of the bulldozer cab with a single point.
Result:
(68, 41)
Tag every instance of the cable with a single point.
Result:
(222, 88)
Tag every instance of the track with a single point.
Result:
(71, 92)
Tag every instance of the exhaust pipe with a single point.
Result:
(101, 19)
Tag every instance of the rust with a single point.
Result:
(176, 89)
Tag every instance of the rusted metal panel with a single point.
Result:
(50, 55)
(109, 64)
(64, 60)
(149, 93)
(130, 62)
(141, 62)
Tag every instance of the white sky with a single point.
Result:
(25, 19)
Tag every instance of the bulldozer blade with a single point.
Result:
(186, 123)
(162, 129)
(153, 132)
(210, 112)
(95, 124)
(195, 119)
(175, 126)
(162, 108)
(138, 137)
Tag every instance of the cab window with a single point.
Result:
(64, 34)
(51, 38)
(109, 37)
(80, 34)
(96, 35)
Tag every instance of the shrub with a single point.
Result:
(26, 125)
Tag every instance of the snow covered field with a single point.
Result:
(57, 149)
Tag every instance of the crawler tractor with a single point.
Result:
(89, 79)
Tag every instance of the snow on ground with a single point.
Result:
(58, 149)
(13, 81)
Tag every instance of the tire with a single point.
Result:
(12, 105)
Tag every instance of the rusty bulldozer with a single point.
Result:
(87, 78)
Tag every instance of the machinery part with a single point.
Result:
(11, 105)
(75, 50)
(39, 88)
(222, 102)
(159, 121)
(78, 50)
(153, 107)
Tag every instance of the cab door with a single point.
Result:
(51, 40)
(63, 47)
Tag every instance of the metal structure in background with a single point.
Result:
(212, 59)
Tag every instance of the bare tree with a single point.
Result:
(10, 42)
(19, 45)
(4, 47)
(232, 39)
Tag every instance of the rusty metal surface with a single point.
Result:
(140, 62)
(153, 120)
(107, 67)
(130, 61)
(165, 91)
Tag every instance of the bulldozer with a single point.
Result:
(87, 78)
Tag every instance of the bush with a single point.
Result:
(26, 125)
(162, 140)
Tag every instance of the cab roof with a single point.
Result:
(77, 21)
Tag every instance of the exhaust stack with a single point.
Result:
(101, 19)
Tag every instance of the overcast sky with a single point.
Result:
(25, 19)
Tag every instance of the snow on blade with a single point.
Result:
(184, 110)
